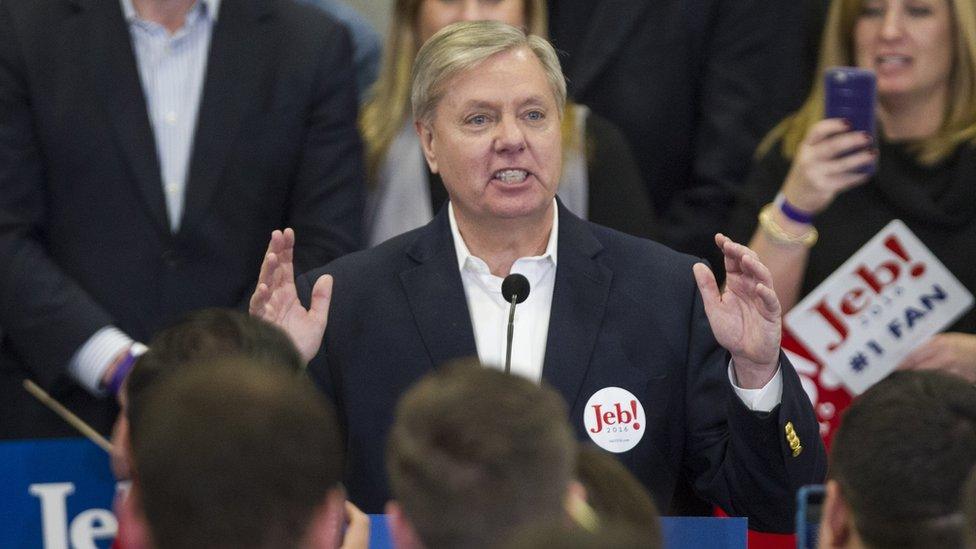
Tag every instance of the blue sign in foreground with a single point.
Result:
(58, 494)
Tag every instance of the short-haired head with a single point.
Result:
(234, 454)
(474, 454)
(900, 456)
(463, 46)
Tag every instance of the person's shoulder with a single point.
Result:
(626, 253)
(364, 266)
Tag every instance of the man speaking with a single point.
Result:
(678, 379)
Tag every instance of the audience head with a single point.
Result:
(938, 39)
(898, 460)
(475, 454)
(201, 336)
(615, 494)
(235, 454)
(561, 536)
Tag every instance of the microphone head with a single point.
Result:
(515, 285)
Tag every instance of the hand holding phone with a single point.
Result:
(850, 94)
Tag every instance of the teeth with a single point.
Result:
(511, 176)
(893, 59)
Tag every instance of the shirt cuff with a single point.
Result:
(763, 399)
(93, 359)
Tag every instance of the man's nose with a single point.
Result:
(509, 136)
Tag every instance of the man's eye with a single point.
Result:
(478, 120)
(535, 115)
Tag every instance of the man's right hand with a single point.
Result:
(276, 299)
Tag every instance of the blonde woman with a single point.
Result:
(600, 180)
(923, 53)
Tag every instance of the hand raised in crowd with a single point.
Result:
(357, 528)
(276, 299)
(822, 170)
(745, 315)
(953, 353)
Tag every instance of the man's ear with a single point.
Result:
(133, 528)
(328, 521)
(401, 529)
(836, 521)
(426, 134)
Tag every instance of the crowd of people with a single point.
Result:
(148, 148)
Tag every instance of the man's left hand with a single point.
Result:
(746, 315)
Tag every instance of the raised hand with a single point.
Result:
(276, 299)
(822, 170)
(953, 353)
(746, 316)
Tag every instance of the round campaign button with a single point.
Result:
(614, 419)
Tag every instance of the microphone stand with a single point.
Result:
(511, 331)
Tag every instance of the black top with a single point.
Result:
(935, 202)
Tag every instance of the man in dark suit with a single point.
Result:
(147, 149)
(694, 85)
(619, 328)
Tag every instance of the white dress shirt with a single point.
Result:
(172, 69)
(489, 316)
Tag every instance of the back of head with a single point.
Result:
(615, 494)
(900, 456)
(474, 454)
(608, 536)
(206, 335)
(234, 454)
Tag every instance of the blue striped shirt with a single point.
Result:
(172, 69)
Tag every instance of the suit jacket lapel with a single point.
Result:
(579, 301)
(612, 22)
(120, 89)
(239, 52)
(436, 295)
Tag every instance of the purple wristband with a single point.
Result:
(121, 371)
(792, 213)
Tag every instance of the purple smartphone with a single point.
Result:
(849, 93)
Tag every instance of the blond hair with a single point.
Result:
(837, 49)
(461, 46)
(388, 105)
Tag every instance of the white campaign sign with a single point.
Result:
(614, 419)
(882, 303)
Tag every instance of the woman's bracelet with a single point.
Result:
(792, 212)
(779, 235)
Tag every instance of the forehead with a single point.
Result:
(512, 76)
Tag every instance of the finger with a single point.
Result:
(287, 251)
(850, 163)
(769, 300)
(269, 264)
(357, 532)
(846, 181)
(919, 356)
(753, 267)
(836, 146)
(825, 129)
(731, 263)
(707, 286)
(321, 298)
(258, 299)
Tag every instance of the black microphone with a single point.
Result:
(515, 289)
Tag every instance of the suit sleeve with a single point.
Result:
(748, 81)
(46, 316)
(740, 460)
(326, 206)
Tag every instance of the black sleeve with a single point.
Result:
(617, 194)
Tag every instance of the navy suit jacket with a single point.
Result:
(625, 312)
(85, 241)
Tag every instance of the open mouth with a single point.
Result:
(892, 61)
(510, 176)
